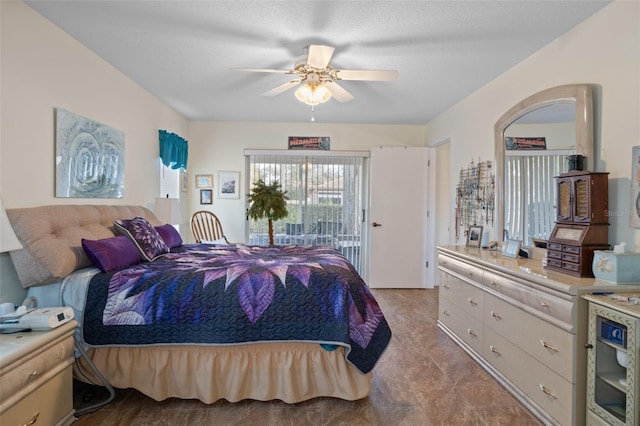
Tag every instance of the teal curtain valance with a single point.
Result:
(174, 150)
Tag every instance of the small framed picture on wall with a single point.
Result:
(204, 181)
(228, 184)
(206, 196)
(184, 181)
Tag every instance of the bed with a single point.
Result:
(200, 321)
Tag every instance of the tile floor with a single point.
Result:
(422, 379)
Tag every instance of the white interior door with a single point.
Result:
(398, 217)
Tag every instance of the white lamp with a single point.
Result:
(168, 210)
(8, 239)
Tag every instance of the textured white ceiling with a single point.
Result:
(183, 51)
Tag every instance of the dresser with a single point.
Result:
(36, 383)
(526, 325)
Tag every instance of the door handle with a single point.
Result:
(375, 225)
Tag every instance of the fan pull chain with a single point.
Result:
(313, 111)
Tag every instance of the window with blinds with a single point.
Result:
(326, 200)
(530, 195)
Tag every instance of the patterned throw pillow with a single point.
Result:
(170, 235)
(143, 235)
(111, 254)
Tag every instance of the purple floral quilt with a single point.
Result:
(237, 294)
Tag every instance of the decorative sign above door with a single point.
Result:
(309, 142)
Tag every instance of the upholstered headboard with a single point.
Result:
(52, 235)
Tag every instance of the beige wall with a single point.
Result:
(604, 51)
(43, 68)
(216, 146)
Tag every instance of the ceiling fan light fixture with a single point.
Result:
(313, 94)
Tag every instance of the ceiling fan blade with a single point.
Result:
(367, 75)
(283, 87)
(338, 92)
(263, 70)
(319, 56)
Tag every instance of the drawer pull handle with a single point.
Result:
(33, 420)
(544, 304)
(474, 302)
(34, 374)
(447, 286)
(548, 346)
(471, 332)
(494, 350)
(469, 273)
(548, 392)
(445, 312)
(496, 315)
(493, 283)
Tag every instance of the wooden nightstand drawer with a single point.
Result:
(36, 377)
(21, 374)
(47, 405)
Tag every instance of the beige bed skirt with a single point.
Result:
(291, 372)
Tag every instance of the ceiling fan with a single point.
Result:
(318, 80)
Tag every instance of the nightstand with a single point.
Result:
(36, 384)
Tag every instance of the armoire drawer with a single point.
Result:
(550, 345)
(546, 388)
(466, 327)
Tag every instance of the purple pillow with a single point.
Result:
(143, 235)
(170, 235)
(111, 254)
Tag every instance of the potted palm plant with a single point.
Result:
(267, 201)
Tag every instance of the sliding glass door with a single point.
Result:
(326, 198)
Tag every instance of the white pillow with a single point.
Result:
(218, 241)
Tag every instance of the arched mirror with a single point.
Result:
(549, 127)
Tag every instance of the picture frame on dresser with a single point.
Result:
(474, 236)
(512, 248)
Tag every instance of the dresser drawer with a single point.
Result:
(546, 388)
(468, 297)
(466, 327)
(464, 269)
(547, 303)
(550, 345)
(22, 373)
